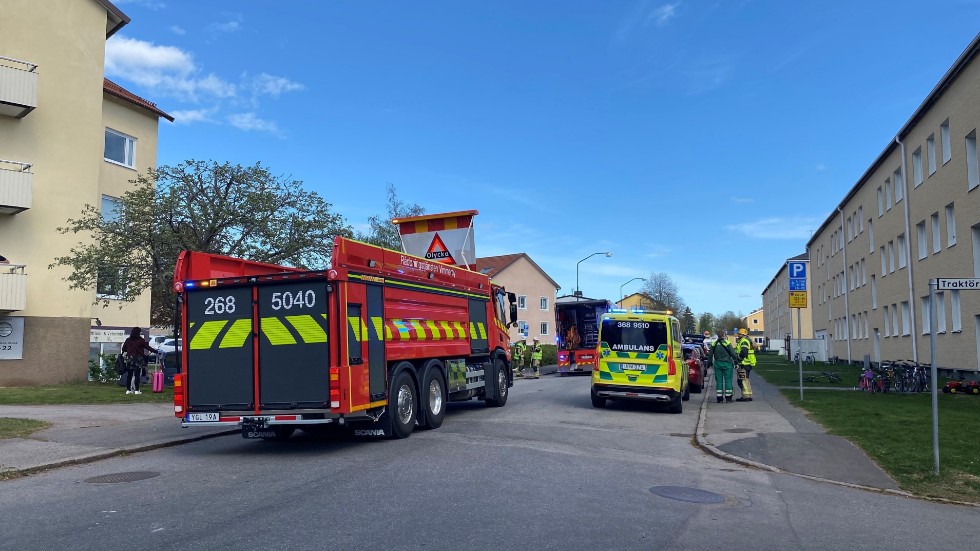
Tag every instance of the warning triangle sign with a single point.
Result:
(439, 252)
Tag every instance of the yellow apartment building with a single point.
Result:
(535, 289)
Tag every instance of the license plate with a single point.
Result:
(200, 417)
(633, 367)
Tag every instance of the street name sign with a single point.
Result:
(797, 299)
(957, 283)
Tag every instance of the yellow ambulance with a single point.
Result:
(640, 358)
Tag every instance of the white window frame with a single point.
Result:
(864, 273)
(950, 225)
(917, 167)
(957, 314)
(931, 153)
(111, 295)
(522, 302)
(874, 292)
(944, 137)
(543, 304)
(894, 319)
(884, 266)
(926, 310)
(891, 257)
(920, 234)
(888, 323)
(129, 149)
(881, 203)
(941, 312)
(543, 329)
(902, 259)
(861, 219)
(522, 327)
(871, 236)
(888, 194)
(936, 237)
(899, 185)
(906, 319)
(972, 168)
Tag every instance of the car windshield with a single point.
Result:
(688, 353)
(633, 336)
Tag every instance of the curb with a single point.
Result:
(98, 456)
(705, 446)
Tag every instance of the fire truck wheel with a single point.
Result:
(501, 372)
(434, 397)
(402, 405)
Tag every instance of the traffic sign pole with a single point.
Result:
(932, 361)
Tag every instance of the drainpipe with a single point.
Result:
(908, 254)
(847, 308)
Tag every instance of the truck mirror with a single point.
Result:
(513, 312)
(511, 297)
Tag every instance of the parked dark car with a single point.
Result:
(694, 358)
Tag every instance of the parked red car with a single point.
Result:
(696, 371)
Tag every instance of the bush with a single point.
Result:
(549, 354)
(103, 369)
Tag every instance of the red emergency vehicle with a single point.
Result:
(380, 341)
(577, 319)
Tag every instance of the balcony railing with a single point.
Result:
(18, 87)
(15, 186)
(13, 287)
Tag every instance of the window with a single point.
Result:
(884, 267)
(925, 311)
(888, 194)
(934, 219)
(931, 153)
(917, 167)
(544, 328)
(871, 237)
(861, 219)
(954, 305)
(891, 257)
(864, 273)
(920, 234)
(899, 185)
(888, 323)
(881, 203)
(865, 325)
(522, 327)
(950, 226)
(972, 171)
(850, 229)
(110, 208)
(944, 136)
(120, 148)
(906, 321)
(894, 319)
(901, 251)
(874, 292)
(521, 302)
(940, 311)
(544, 303)
(111, 282)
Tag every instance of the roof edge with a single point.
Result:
(116, 16)
(533, 263)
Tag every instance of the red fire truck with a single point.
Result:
(577, 319)
(381, 342)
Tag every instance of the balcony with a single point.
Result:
(18, 87)
(15, 186)
(13, 287)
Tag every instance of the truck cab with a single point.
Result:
(640, 358)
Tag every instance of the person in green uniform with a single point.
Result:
(723, 358)
(536, 354)
(518, 358)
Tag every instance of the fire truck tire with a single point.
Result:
(500, 373)
(403, 405)
(434, 396)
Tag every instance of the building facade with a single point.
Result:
(914, 215)
(68, 138)
(535, 289)
(755, 322)
(781, 320)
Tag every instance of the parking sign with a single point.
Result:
(797, 269)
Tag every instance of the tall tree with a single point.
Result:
(706, 322)
(382, 232)
(688, 322)
(202, 206)
(663, 292)
(730, 321)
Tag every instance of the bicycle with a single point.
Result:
(807, 359)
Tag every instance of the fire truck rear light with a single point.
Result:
(335, 404)
(178, 409)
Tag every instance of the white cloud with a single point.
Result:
(166, 70)
(177, 30)
(663, 14)
(251, 121)
(269, 85)
(777, 228)
(194, 115)
(233, 24)
(642, 16)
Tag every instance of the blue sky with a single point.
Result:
(701, 139)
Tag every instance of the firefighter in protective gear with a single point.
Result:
(518, 358)
(746, 360)
(536, 354)
(723, 359)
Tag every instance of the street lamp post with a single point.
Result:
(624, 285)
(578, 293)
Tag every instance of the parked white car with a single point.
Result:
(168, 345)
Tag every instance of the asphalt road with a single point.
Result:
(547, 471)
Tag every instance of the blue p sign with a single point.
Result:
(797, 269)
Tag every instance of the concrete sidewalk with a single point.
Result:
(769, 432)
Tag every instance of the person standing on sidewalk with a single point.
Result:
(723, 358)
(536, 354)
(746, 361)
(518, 358)
(135, 360)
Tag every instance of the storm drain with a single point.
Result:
(738, 430)
(690, 495)
(682, 434)
(116, 478)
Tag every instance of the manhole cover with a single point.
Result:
(690, 495)
(682, 434)
(115, 478)
(738, 430)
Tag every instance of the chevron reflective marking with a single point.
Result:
(447, 330)
(204, 338)
(307, 327)
(359, 330)
(482, 329)
(237, 334)
(419, 332)
(473, 331)
(460, 330)
(433, 330)
(276, 331)
(381, 331)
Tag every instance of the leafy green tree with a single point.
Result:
(730, 320)
(383, 233)
(687, 320)
(706, 322)
(203, 206)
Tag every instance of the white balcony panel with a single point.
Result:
(18, 87)
(15, 187)
(13, 288)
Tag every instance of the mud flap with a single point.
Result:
(490, 381)
(372, 430)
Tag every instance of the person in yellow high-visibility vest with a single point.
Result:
(536, 354)
(518, 359)
(746, 357)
